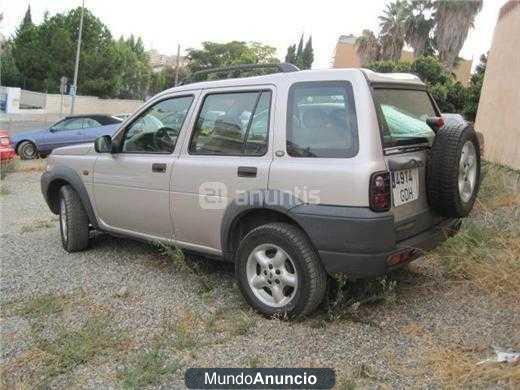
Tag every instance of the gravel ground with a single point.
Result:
(198, 318)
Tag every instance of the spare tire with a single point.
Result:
(453, 172)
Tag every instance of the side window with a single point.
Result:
(69, 124)
(157, 129)
(321, 120)
(89, 122)
(232, 124)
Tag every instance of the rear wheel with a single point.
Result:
(279, 272)
(27, 150)
(74, 223)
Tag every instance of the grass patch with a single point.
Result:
(37, 225)
(147, 368)
(346, 297)
(37, 307)
(4, 190)
(457, 368)
(72, 348)
(232, 322)
(487, 248)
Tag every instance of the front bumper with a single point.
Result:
(359, 242)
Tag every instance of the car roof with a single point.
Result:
(302, 75)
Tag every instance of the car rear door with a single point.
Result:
(226, 158)
(406, 141)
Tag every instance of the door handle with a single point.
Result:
(159, 167)
(247, 171)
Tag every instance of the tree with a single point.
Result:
(453, 22)
(368, 47)
(475, 87)
(27, 19)
(418, 27)
(303, 56)
(393, 28)
(290, 57)
(299, 53)
(214, 55)
(308, 55)
(46, 52)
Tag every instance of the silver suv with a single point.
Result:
(293, 176)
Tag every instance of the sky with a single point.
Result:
(162, 24)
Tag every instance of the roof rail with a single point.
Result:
(283, 67)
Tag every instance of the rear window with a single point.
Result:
(404, 116)
(321, 120)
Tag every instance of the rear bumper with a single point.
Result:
(358, 242)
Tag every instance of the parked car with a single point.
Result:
(74, 129)
(6, 150)
(292, 176)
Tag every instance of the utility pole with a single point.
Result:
(176, 81)
(76, 67)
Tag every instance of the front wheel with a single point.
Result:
(279, 272)
(74, 223)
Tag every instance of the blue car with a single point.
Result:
(71, 130)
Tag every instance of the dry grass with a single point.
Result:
(456, 368)
(487, 249)
(38, 224)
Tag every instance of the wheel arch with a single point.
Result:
(242, 216)
(52, 182)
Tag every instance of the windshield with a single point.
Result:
(405, 113)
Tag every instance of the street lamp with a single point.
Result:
(74, 87)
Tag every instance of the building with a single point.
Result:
(160, 61)
(498, 116)
(345, 56)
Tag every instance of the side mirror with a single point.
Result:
(52, 129)
(103, 144)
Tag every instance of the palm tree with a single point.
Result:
(454, 19)
(368, 47)
(393, 29)
(418, 27)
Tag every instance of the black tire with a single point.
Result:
(27, 150)
(443, 170)
(311, 276)
(74, 223)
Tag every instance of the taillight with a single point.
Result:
(4, 141)
(379, 191)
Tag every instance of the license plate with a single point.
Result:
(405, 186)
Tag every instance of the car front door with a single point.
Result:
(67, 132)
(132, 185)
(225, 159)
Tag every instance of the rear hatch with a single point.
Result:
(406, 141)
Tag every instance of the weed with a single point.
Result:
(231, 321)
(345, 297)
(37, 225)
(72, 348)
(147, 368)
(181, 334)
(4, 190)
(37, 307)
(253, 361)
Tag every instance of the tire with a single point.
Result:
(74, 223)
(27, 150)
(301, 268)
(453, 173)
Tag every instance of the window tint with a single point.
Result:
(232, 124)
(69, 124)
(157, 129)
(89, 122)
(321, 120)
(405, 113)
